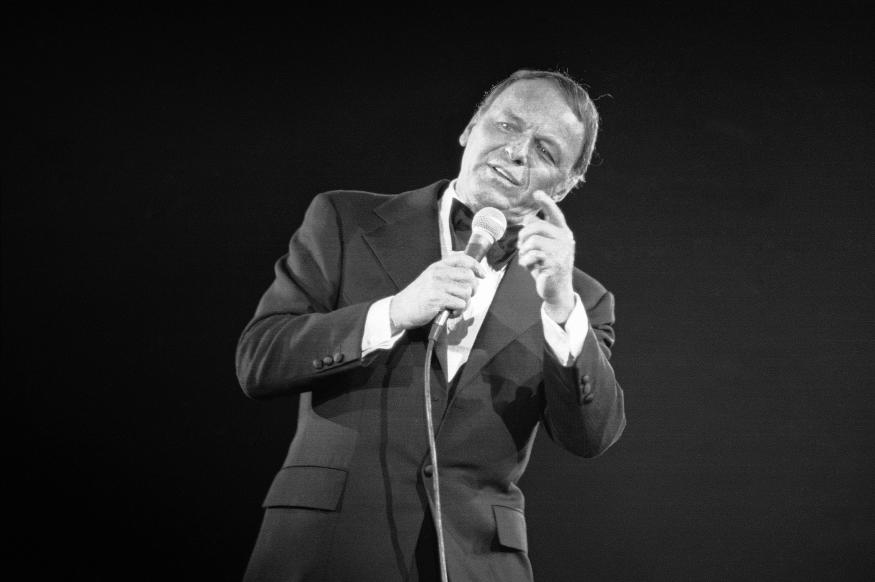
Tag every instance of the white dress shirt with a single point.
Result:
(454, 346)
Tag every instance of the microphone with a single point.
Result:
(487, 226)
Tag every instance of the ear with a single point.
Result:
(463, 139)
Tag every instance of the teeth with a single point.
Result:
(504, 174)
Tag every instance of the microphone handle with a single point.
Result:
(478, 245)
(438, 325)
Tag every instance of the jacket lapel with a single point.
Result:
(408, 241)
(515, 308)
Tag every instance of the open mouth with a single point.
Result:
(504, 175)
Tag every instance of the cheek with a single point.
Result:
(547, 178)
(484, 140)
(539, 174)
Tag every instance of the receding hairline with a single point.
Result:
(496, 91)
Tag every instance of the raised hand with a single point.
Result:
(546, 249)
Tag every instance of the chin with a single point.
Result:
(485, 193)
(517, 215)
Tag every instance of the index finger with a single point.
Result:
(551, 210)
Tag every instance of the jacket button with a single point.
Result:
(338, 357)
(583, 389)
(428, 470)
(317, 364)
(327, 360)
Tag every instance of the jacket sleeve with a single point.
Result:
(301, 332)
(584, 410)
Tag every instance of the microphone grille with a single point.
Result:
(491, 220)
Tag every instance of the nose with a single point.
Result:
(517, 151)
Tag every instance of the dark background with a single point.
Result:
(156, 165)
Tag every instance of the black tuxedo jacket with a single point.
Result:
(350, 498)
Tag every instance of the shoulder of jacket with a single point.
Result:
(350, 198)
(356, 202)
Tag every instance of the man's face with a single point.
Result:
(528, 139)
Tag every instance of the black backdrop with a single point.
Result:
(157, 164)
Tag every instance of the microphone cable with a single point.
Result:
(487, 226)
(432, 451)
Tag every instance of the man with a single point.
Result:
(345, 326)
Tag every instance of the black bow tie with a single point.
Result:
(500, 253)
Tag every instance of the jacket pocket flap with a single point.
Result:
(510, 524)
(313, 487)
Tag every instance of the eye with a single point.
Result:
(546, 153)
(505, 126)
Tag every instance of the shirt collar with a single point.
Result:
(446, 206)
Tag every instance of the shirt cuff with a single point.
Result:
(378, 328)
(566, 344)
